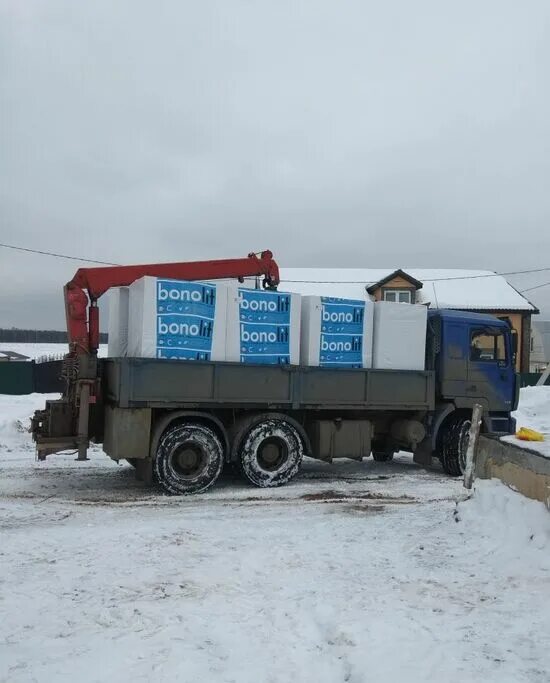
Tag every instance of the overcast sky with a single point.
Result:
(355, 133)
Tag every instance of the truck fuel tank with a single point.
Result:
(340, 439)
(408, 432)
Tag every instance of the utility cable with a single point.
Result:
(51, 253)
(320, 282)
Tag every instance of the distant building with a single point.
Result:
(540, 345)
(11, 355)
(480, 291)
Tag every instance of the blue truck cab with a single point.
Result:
(473, 357)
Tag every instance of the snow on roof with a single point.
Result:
(442, 288)
(12, 355)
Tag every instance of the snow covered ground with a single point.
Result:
(42, 350)
(353, 572)
(534, 412)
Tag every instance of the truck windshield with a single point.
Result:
(485, 346)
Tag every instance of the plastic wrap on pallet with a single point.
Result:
(177, 319)
(118, 322)
(399, 336)
(336, 332)
(263, 327)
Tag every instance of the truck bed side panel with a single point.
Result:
(148, 382)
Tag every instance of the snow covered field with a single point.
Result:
(353, 572)
(42, 350)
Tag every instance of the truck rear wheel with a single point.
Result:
(454, 443)
(270, 452)
(189, 459)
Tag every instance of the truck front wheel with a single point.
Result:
(189, 459)
(454, 443)
(270, 452)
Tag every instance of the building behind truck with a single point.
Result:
(477, 291)
(540, 346)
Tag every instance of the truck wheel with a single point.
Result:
(189, 459)
(454, 443)
(382, 456)
(270, 453)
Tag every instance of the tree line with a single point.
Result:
(15, 336)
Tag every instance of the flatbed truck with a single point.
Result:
(179, 423)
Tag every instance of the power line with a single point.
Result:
(436, 279)
(51, 253)
(319, 282)
(530, 289)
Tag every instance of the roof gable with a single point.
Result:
(396, 273)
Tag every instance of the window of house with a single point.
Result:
(488, 347)
(401, 296)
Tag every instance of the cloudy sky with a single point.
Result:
(356, 133)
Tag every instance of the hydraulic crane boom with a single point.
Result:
(82, 311)
(65, 422)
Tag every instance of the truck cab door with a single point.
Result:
(491, 373)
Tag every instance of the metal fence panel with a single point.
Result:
(530, 379)
(47, 377)
(16, 377)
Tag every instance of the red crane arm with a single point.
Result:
(83, 327)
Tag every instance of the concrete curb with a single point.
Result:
(526, 471)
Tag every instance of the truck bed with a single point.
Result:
(151, 382)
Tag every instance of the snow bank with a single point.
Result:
(15, 415)
(533, 412)
(534, 408)
(513, 529)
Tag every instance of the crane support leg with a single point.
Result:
(83, 418)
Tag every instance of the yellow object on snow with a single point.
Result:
(529, 435)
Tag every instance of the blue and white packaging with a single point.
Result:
(399, 336)
(336, 332)
(263, 327)
(177, 319)
(118, 322)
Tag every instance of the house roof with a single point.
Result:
(477, 290)
(396, 273)
(12, 355)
